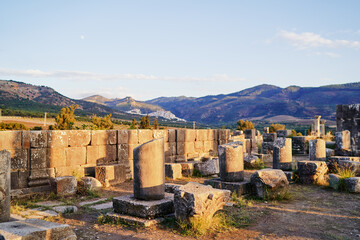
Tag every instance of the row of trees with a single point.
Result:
(242, 125)
(144, 123)
(66, 120)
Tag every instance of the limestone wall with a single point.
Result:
(38, 156)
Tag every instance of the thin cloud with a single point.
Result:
(329, 54)
(307, 40)
(85, 76)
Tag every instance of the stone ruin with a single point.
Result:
(348, 130)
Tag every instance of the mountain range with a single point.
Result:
(257, 103)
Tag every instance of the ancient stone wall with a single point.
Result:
(39, 156)
(348, 118)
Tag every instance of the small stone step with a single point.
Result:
(102, 206)
(91, 202)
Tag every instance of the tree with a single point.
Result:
(133, 124)
(156, 125)
(66, 118)
(145, 122)
(102, 123)
(276, 126)
(242, 125)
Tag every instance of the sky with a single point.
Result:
(148, 49)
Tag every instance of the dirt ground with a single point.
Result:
(314, 212)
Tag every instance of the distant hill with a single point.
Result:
(262, 102)
(23, 96)
(257, 103)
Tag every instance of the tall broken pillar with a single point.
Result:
(322, 128)
(231, 162)
(282, 154)
(317, 126)
(149, 170)
(5, 185)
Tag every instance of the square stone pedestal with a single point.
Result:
(240, 188)
(36, 229)
(128, 205)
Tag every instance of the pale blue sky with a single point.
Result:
(148, 49)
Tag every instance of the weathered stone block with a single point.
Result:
(133, 136)
(36, 229)
(103, 137)
(172, 135)
(312, 171)
(40, 177)
(268, 180)
(250, 133)
(23, 179)
(283, 133)
(38, 139)
(180, 148)
(123, 136)
(201, 135)
(91, 183)
(172, 148)
(189, 147)
(68, 171)
(19, 159)
(269, 137)
(334, 181)
(123, 152)
(170, 159)
(25, 139)
(144, 209)
(195, 200)
(240, 188)
(208, 167)
(299, 145)
(317, 150)
(56, 157)
(10, 140)
(5, 184)
(161, 134)
(250, 161)
(65, 186)
(75, 156)
(199, 146)
(180, 158)
(79, 138)
(187, 169)
(110, 175)
(38, 158)
(107, 154)
(145, 135)
(58, 139)
(223, 135)
(343, 143)
(173, 170)
(92, 154)
(352, 184)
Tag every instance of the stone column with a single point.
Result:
(149, 170)
(298, 145)
(231, 162)
(317, 149)
(5, 186)
(322, 128)
(317, 126)
(282, 155)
